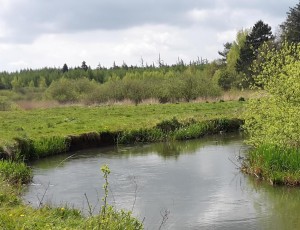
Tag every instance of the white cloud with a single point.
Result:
(198, 15)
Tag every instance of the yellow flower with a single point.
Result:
(22, 215)
(63, 209)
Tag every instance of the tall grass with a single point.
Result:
(199, 129)
(15, 172)
(46, 146)
(276, 164)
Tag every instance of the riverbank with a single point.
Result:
(38, 133)
(15, 215)
(26, 135)
(277, 165)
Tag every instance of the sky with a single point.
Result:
(43, 33)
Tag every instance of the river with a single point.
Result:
(178, 185)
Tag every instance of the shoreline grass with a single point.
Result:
(278, 165)
(14, 214)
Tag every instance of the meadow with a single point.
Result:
(45, 128)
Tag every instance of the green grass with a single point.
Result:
(80, 119)
(277, 165)
(20, 216)
(14, 172)
(43, 132)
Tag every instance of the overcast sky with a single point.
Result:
(40, 33)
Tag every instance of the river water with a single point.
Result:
(179, 185)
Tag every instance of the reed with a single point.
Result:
(275, 164)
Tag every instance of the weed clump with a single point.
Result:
(169, 125)
(15, 172)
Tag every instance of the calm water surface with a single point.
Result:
(194, 182)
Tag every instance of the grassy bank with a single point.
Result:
(278, 165)
(41, 132)
(15, 215)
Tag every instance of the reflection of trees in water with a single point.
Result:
(277, 207)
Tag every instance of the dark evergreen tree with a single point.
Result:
(260, 34)
(224, 53)
(290, 29)
(65, 68)
(84, 66)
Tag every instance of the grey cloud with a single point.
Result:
(30, 18)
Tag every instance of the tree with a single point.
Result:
(84, 66)
(16, 83)
(65, 68)
(291, 27)
(260, 34)
(224, 53)
(227, 76)
(274, 118)
(234, 53)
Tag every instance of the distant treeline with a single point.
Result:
(45, 76)
(165, 83)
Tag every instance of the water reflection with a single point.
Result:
(194, 181)
(278, 206)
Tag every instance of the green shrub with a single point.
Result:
(63, 90)
(15, 172)
(5, 104)
(191, 131)
(141, 135)
(274, 118)
(167, 126)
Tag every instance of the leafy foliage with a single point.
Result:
(274, 119)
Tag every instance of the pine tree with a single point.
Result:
(84, 66)
(291, 27)
(260, 34)
(65, 68)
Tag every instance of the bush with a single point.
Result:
(5, 104)
(63, 90)
(167, 126)
(142, 136)
(274, 119)
(15, 172)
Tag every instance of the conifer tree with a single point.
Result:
(259, 34)
(291, 27)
